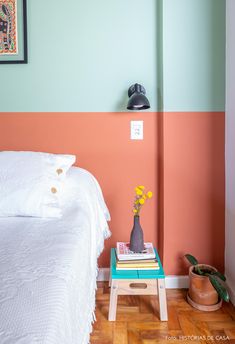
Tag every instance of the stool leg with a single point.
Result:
(162, 299)
(113, 300)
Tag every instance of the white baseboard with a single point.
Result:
(172, 281)
(103, 274)
(177, 282)
(231, 292)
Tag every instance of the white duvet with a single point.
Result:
(48, 268)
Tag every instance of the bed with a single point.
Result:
(48, 268)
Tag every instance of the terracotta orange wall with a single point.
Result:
(194, 188)
(181, 159)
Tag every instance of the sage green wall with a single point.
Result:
(83, 56)
(194, 55)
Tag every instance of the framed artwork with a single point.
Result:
(13, 31)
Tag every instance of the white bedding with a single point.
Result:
(48, 269)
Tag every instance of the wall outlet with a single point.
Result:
(137, 130)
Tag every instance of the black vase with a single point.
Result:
(137, 236)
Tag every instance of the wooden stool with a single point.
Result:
(136, 282)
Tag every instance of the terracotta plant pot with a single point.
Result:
(201, 290)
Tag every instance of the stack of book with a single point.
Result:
(128, 260)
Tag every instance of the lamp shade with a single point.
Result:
(137, 99)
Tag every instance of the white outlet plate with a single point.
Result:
(137, 130)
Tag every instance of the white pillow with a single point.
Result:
(31, 182)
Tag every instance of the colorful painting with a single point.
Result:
(8, 27)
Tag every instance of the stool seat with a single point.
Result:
(136, 282)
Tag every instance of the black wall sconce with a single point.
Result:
(138, 100)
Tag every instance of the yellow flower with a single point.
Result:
(139, 192)
(140, 199)
(141, 187)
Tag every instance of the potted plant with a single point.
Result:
(137, 236)
(206, 286)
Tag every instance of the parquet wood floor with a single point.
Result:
(138, 321)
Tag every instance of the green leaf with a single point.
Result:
(218, 274)
(199, 271)
(192, 260)
(221, 290)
